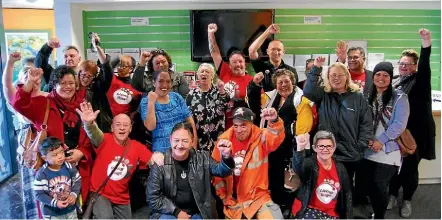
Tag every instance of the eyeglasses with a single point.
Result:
(83, 75)
(406, 64)
(336, 76)
(353, 58)
(122, 67)
(322, 147)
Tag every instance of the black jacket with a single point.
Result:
(346, 115)
(308, 171)
(162, 183)
(420, 122)
(368, 82)
(42, 61)
(268, 70)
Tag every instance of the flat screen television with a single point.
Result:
(237, 29)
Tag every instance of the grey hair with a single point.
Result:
(361, 50)
(210, 66)
(320, 135)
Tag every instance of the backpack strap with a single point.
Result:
(44, 126)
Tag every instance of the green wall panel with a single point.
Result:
(386, 31)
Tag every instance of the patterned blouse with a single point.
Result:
(208, 110)
(167, 115)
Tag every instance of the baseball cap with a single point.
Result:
(244, 114)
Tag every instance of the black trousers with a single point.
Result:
(280, 196)
(408, 178)
(376, 179)
(354, 176)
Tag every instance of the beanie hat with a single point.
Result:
(384, 66)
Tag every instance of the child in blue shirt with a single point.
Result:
(57, 182)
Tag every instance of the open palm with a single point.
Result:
(86, 113)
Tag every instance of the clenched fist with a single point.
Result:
(14, 57)
(54, 43)
(212, 28)
(273, 29)
(319, 61)
(258, 77)
(269, 114)
(425, 34)
(145, 57)
(224, 147)
(152, 97)
(220, 86)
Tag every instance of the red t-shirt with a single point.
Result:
(358, 78)
(326, 191)
(108, 154)
(239, 149)
(232, 83)
(123, 98)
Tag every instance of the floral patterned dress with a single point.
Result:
(208, 110)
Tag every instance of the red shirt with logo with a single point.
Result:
(326, 191)
(239, 149)
(358, 78)
(108, 154)
(122, 97)
(234, 85)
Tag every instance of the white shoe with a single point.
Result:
(406, 209)
(392, 202)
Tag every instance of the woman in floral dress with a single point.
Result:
(208, 104)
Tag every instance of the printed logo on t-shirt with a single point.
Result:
(231, 88)
(239, 160)
(327, 191)
(122, 171)
(123, 96)
(60, 187)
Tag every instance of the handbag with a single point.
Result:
(28, 150)
(407, 144)
(93, 196)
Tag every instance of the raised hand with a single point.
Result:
(14, 57)
(145, 57)
(424, 34)
(34, 75)
(86, 113)
(54, 43)
(212, 28)
(319, 61)
(62, 204)
(269, 114)
(273, 29)
(224, 146)
(220, 86)
(341, 50)
(95, 39)
(258, 77)
(152, 97)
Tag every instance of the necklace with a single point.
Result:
(183, 175)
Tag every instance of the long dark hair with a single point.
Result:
(183, 125)
(156, 53)
(59, 73)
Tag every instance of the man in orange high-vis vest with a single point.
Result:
(245, 194)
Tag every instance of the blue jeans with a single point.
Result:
(167, 216)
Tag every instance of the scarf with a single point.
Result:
(381, 114)
(405, 83)
(67, 108)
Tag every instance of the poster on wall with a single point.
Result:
(191, 78)
(27, 42)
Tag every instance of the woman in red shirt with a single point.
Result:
(63, 122)
(325, 191)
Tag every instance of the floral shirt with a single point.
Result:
(208, 110)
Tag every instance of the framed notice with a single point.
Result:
(191, 78)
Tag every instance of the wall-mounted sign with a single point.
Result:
(312, 20)
(139, 21)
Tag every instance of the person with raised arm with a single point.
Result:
(415, 81)
(275, 51)
(233, 74)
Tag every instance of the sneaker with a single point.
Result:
(406, 209)
(392, 202)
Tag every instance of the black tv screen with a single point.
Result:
(237, 29)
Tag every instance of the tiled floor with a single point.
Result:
(11, 199)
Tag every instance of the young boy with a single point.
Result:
(57, 182)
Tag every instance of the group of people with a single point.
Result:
(223, 149)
